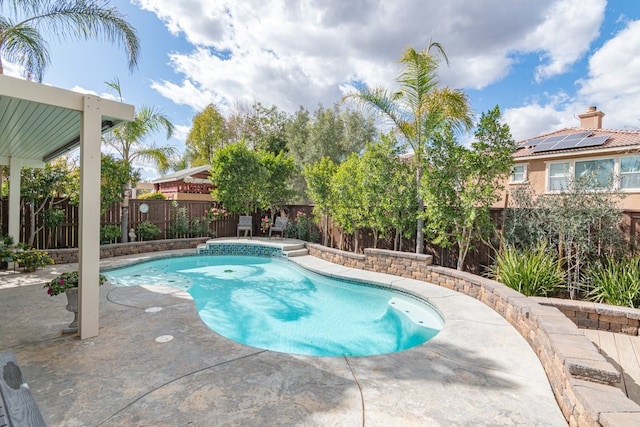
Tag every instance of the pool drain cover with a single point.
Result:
(164, 338)
(153, 309)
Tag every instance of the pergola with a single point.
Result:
(39, 123)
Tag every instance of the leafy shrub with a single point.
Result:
(152, 196)
(31, 259)
(180, 223)
(616, 282)
(200, 227)
(303, 228)
(110, 233)
(147, 231)
(531, 271)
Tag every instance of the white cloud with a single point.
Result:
(613, 83)
(291, 53)
(105, 95)
(565, 34)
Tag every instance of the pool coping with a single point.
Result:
(461, 376)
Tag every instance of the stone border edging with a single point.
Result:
(591, 315)
(70, 256)
(583, 382)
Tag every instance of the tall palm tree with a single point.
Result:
(419, 108)
(22, 42)
(127, 138)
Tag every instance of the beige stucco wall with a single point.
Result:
(536, 177)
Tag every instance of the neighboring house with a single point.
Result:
(186, 184)
(612, 156)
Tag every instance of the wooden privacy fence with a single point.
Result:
(162, 214)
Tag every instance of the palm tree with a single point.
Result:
(126, 140)
(22, 42)
(419, 108)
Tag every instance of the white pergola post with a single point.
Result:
(15, 166)
(89, 258)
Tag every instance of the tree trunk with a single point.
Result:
(124, 228)
(420, 224)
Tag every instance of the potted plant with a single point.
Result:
(68, 283)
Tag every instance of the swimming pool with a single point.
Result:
(273, 304)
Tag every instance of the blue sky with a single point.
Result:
(542, 61)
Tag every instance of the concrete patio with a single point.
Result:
(477, 371)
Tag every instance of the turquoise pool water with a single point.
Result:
(273, 304)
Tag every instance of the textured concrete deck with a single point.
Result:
(477, 371)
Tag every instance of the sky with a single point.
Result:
(542, 62)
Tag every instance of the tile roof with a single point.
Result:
(617, 138)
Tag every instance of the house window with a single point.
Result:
(598, 172)
(630, 172)
(558, 176)
(518, 174)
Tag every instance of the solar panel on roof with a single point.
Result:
(553, 139)
(572, 142)
(593, 141)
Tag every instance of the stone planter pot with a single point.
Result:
(72, 306)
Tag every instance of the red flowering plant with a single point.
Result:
(265, 224)
(66, 281)
(217, 213)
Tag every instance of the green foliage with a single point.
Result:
(418, 109)
(348, 210)
(152, 196)
(531, 271)
(22, 42)
(583, 224)
(66, 281)
(53, 217)
(115, 174)
(200, 227)
(110, 233)
(39, 187)
(147, 231)
(318, 177)
(615, 282)
(302, 228)
(261, 127)
(237, 174)
(275, 191)
(462, 184)
(330, 133)
(31, 259)
(208, 133)
(180, 223)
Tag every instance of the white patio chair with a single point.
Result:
(245, 223)
(280, 225)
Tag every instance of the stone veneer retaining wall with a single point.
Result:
(67, 256)
(584, 383)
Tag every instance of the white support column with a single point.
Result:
(89, 256)
(15, 166)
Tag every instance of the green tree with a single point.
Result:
(462, 184)
(330, 133)
(276, 191)
(237, 175)
(208, 133)
(127, 141)
(419, 109)
(115, 175)
(42, 189)
(348, 210)
(318, 177)
(22, 42)
(583, 224)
